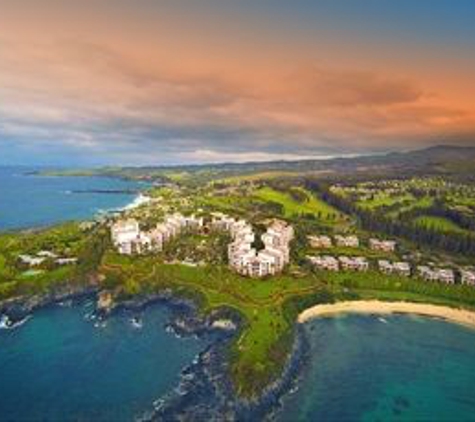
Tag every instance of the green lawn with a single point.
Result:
(375, 285)
(383, 199)
(312, 205)
(438, 224)
(424, 202)
(253, 177)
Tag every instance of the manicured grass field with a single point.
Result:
(383, 199)
(424, 202)
(312, 205)
(438, 224)
(375, 285)
(266, 175)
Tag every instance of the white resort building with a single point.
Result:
(467, 277)
(348, 241)
(129, 239)
(320, 242)
(400, 268)
(436, 274)
(244, 258)
(382, 245)
(327, 263)
(358, 263)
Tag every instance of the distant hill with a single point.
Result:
(442, 159)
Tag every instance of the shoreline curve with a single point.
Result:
(457, 315)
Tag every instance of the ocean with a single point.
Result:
(60, 365)
(31, 201)
(397, 368)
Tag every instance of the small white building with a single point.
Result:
(32, 261)
(327, 263)
(47, 254)
(467, 277)
(382, 245)
(66, 261)
(353, 264)
(320, 242)
(402, 268)
(427, 273)
(446, 276)
(385, 266)
(348, 241)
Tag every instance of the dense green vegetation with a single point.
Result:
(67, 240)
(431, 212)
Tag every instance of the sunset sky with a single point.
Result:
(166, 82)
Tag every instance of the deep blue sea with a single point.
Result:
(30, 201)
(398, 368)
(59, 366)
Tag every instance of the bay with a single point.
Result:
(60, 365)
(398, 368)
(30, 201)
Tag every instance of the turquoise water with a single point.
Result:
(30, 201)
(58, 366)
(396, 368)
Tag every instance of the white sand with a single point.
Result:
(461, 316)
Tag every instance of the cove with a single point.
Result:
(392, 368)
(61, 365)
(31, 201)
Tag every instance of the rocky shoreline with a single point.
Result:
(205, 390)
(17, 309)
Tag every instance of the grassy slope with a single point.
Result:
(384, 200)
(265, 175)
(312, 205)
(424, 202)
(438, 224)
(373, 284)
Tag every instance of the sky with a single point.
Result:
(151, 82)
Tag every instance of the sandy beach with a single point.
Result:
(460, 316)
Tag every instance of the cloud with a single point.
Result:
(350, 88)
(90, 98)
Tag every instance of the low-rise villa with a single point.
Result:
(400, 268)
(467, 277)
(436, 274)
(328, 263)
(320, 242)
(446, 276)
(382, 245)
(348, 241)
(358, 263)
(32, 261)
